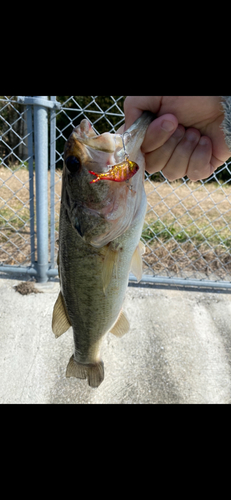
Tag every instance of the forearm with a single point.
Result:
(226, 124)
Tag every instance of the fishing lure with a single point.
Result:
(118, 173)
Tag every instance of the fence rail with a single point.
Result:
(187, 226)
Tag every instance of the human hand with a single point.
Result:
(194, 147)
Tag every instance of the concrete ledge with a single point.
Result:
(178, 350)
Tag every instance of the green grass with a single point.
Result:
(167, 231)
(8, 218)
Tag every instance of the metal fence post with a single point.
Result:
(52, 182)
(31, 180)
(41, 169)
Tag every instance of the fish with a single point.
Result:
(99, 240)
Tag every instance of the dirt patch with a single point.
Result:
(26, 287)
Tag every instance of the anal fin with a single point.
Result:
(60, 320)
(121, 326)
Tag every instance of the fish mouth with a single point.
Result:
(83, 138)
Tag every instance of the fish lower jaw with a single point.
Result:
(94, 372)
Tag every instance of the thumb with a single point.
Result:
(158, 132)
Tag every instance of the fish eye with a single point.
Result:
(73, 164)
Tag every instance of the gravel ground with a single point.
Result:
(178, 350)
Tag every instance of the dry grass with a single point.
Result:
(187, 229)
(187, 226)
(15, 246)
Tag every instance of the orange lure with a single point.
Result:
(118, 173)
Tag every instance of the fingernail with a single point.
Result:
(167, 126)
(178, 133)
(203, 141)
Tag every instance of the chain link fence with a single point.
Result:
(187, 225)
(16, 185)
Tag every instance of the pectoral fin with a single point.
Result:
(110, 260)
(60, 320)
(136, 264)
(121, 326)
(58, 264)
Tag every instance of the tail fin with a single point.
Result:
(93, 372)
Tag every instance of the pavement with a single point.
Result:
(178, 350)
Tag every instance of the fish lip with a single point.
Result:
(131, 133)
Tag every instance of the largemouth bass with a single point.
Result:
(99, 234)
